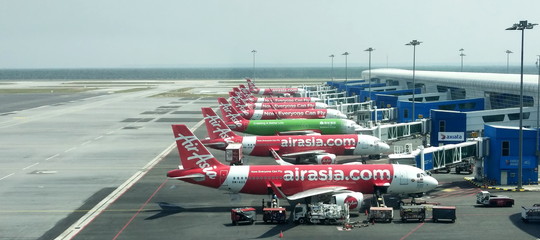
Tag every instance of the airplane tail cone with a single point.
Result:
(280, 234)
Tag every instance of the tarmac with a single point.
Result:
(92, 165)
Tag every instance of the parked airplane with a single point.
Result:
(252, 99)
(285, 113)
(277, 105)
(321, 149)
(236, 122)
(294, 182)
(273, 91)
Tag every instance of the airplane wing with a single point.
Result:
(309, 192)
(305, 153)
(196, 176)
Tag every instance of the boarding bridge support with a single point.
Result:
(394, 132)
(442, 157)
(377, 115)
(340, 100)
(350, 109)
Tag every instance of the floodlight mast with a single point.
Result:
(522, 25)
(413, 43)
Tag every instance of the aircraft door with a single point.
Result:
(223, 177)
(403, 178)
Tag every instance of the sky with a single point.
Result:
(223, 33)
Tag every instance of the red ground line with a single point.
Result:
(412, 231)
(140, 209)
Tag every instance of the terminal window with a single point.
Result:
(506, 148)
(442, 126)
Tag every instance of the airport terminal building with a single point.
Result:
(471, 104)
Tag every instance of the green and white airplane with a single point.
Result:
(236, 122)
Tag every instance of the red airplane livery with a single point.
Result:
(293, 182)
(273, 91)
(277, 105)
(321, 149)
(281, 113)
(248, 97)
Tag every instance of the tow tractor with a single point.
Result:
(485, 198)
(530, 214)
(274, 213)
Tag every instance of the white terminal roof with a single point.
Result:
(498, 82)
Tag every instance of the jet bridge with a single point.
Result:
(393, 132)
(442, 157)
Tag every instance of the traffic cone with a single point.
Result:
(280, 234)
(366, 212)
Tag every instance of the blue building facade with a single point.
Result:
(501, 165)
(424, 108)
(447, 123)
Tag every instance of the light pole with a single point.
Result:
(538, 108)
(461, 55)
(522, 25)
(413, 43)
(369, 79)
(253, 74)
(332, 56)
(346, 73)
(508, 60)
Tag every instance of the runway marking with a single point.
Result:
(53, 156)
(71, 149)
(412, 231)
(6, 176)
(31, 166)
(84, 143)
(80, 224)
(140, 209)
(97, 138)
(111, 132)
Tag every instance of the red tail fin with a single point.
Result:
(250, 84)
(244, 90)
(228, 112)
(215, 126)
(192, 152)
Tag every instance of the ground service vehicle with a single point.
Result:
(380, 214)
(485, 198)
(321, 213)
(243, 215)
(412, 213)
(531, 214)
(444, 213)
(276, 214)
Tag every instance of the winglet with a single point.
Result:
(278, 159)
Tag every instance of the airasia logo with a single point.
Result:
(352, 201)
(326, 160)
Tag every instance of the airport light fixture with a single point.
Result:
(413, 43)
(346, 72)
(462, 55)
(522, 25)
(508, 60)
(253, 69)
(369, 78)
(332, 57)
(538, 108)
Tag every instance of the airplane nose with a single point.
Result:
(384, 147)
(320, 105)
(431, 183)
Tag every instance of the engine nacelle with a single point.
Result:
(326, 158)
(354, 199)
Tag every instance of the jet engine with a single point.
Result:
(354, 199)
(327, 158)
